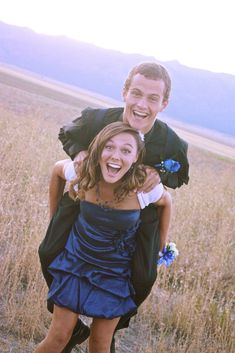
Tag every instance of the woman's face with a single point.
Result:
(117, 157)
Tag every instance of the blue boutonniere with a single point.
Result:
(168, 255)
(169, 165)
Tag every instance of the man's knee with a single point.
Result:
(144, 281)
(142, 291)
(42, 253)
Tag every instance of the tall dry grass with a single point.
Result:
(191, 306)
(28, 147)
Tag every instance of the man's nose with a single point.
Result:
(142, 102)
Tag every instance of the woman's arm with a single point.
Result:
(165, 211)
(56, 185)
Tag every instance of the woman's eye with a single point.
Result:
(108, 147)
(126, 151)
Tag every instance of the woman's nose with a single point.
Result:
(115, 154)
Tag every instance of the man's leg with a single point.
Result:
(80, 333)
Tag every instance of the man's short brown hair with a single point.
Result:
(152, 71)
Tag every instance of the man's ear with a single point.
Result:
(164, 105)
(124, 95)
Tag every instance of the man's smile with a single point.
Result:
(139, 114)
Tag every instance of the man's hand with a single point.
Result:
(152, 179)
(80, 157)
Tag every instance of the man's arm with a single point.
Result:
(176, 149)
(75, 138)
(152, 179)
(77, 135)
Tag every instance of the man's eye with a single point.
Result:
(135, 94)
(154, 99)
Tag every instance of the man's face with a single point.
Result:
(144, 100)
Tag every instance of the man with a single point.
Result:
(146, 93)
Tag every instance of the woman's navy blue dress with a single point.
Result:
(92, 275)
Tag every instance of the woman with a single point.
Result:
(92, 275)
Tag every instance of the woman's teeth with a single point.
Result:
(113, 167)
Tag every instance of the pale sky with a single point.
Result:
(197, 33)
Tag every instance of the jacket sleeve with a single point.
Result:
(77, 135)
(178, 151)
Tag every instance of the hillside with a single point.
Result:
(79, 99)
(191, 305)
(199, 97)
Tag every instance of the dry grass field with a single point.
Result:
(191, 308)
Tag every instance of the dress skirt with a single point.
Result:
(92, 275)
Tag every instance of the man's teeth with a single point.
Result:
(142, 115)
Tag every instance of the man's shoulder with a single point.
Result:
(161, 125)
(109, 113)
(169, 131)
(168, 137)
(98, 118)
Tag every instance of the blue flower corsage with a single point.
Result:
(169, 254)
(169, 165)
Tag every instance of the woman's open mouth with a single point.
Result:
(113, 168)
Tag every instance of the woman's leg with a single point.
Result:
(60, 331)
(101, 335)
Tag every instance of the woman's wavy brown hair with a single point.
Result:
(89, 173)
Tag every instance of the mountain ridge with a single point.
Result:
(199, 97)
(79, 99)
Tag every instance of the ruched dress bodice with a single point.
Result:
(92, 275)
